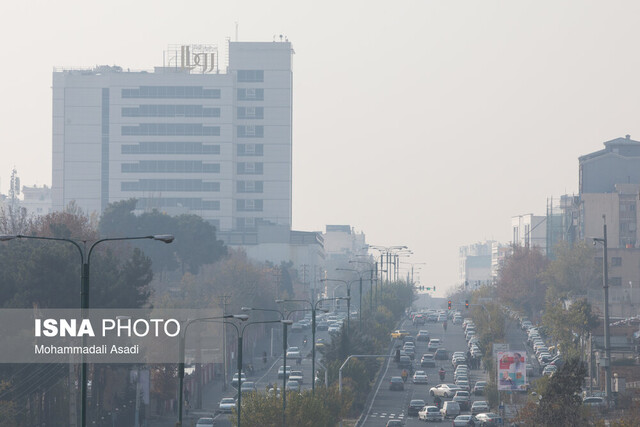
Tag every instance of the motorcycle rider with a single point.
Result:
(441, 372)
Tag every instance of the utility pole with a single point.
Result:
(224, 300)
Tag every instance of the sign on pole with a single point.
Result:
(512, 371)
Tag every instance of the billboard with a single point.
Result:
(512, 370)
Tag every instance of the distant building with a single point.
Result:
(529, 231)
(499, 253)
(617, 163)
(37, 200)
(193, 136)
(610, 187)
(342, 242)
(475, 265)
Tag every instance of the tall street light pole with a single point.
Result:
(183, 337)
(605, 286)
(348, 286)
(285, 322)
(359, 294)
(85, 259)
(370, 271)
(314, 309)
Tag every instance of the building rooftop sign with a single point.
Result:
(199, 58)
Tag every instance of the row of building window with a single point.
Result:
(250, 186)
(250, 149)
(250, 131)
(192, 203)
(249, 76)
(170, 111)
(170, 147)
(170, 185)
(173, 92)
(250, 94)
(250, 112)
(170, 129)
(250, 168)
(249, 205)
(170, 166)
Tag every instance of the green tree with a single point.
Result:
(561, 404)
(196, 243)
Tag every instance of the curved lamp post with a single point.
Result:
(314, 309)
(285, 323)
(183, 337)
(85, 259)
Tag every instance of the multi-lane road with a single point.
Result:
(387, 404)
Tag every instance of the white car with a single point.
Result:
(296, 376)
(227, 404)
(205, 422)
(420, 377)
(293, 352)
(430, 413)
(444, 390)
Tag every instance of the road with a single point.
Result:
(271, 375)
(389, 404)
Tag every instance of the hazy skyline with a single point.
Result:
(426, 124)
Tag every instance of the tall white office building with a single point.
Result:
(192, 136)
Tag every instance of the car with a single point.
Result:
(333, 328)
(420, 377)
(396, 383)
(441, 354)
(296, 376)
(450, 409)
(394, 423)
(423, 335)
(234, 380)
(293, 385)
(227, 405)
(595, 402)
(322, 326)
(404, 362)
(281, 372)
(296, 327)
(478, 389)
(293, 352)
(414, 407)
(430, 413)
(205, 422)
(464, 399)
(399, 334)
(463, 421)
(419, 320)
(463, 385)
(434, 344)
(428, 360)
(444, 390)
(248, 387)
(488, 419)
(479, 407)
(549, 370)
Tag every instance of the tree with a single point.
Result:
(561, 403)
(574, 270)
(520, 281)
(196, 243)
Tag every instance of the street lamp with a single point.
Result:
(183, 336)
(371, 271)
(85, 259)
(314, 309)
(285, 323)
(348, 285)
(605, 286)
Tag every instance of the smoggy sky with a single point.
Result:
(422, 123)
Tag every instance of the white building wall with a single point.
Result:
(82, 160)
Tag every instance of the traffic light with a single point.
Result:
(466, 303)
(449, 304)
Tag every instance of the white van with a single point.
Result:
(450, 409)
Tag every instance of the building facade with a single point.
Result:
(185, 138)
(475, 264)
